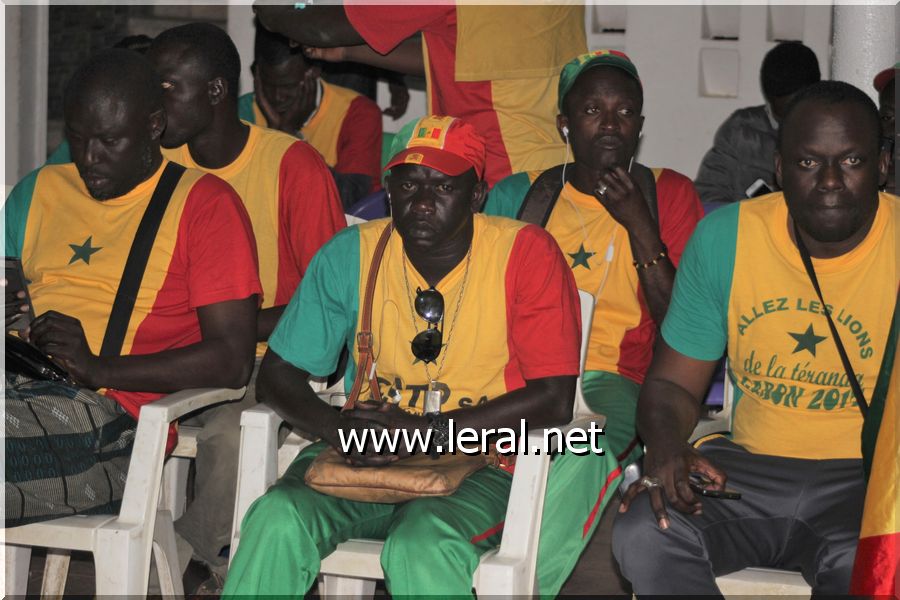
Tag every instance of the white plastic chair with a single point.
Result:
(122, 543)
(354, 567)
(753, 581)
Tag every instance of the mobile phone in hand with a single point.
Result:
(15, 283)
(700, 483)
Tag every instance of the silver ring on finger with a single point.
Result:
(650, 482)
(602, 190)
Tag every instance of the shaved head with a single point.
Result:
(117, 73)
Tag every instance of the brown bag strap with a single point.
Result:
(365, 365)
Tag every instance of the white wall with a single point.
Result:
(666, 42)
(25, 91)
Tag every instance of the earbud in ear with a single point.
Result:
(565, 132)
(640, 134)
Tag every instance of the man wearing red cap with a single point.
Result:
(885, 85)
(502, 346)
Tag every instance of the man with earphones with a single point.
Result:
(621, 225)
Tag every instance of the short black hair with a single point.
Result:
(272, 48)
(119, 72)
(212, 46)
(139, 43)
(788, 68)
(834, 92)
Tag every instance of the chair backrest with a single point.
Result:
(587, 314)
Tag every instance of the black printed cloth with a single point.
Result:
(67, 451)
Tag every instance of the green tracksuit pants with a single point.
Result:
(432, 545)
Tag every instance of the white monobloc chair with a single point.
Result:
(122, 543)
(354, 567)
(753, 581)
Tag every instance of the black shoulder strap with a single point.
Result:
(544, 192)
(845, 360)
(542, 195)
(136, 263)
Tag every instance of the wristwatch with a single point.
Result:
(439, 424)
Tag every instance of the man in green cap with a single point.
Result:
(621, 226)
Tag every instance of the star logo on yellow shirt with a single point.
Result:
(84, 251)
(581, 257)
(807, 340)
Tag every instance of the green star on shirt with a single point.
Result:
(806, 340)
(84, 251)
(581, 257)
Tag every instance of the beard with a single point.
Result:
(143, 172)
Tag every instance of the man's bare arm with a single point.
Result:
(223, 357)
(267, 320)
(668, 410)
(405, 58)
(324, 26)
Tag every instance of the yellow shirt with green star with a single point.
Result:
(741, 284)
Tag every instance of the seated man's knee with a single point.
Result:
(273, 511)
(635, 536)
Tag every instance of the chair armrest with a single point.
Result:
(174, 406)
(524, 512)
(257, 462)
(145, 467)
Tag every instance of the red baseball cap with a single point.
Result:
(882, 80)
(447, 144)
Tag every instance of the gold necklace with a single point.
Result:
(433, 395)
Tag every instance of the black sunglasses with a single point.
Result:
(429, 304)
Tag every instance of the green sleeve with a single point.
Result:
(696, 323)
(15, 213)
(505, 198)
(245, 108)
(61, 155)
(321, 317)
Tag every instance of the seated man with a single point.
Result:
(794, 451)
(743, 151)
(293, 207)
(343, 125)
(511, 352)
(622, 226)
(194, 318)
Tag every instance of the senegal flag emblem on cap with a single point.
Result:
(447, 144)
(431, 132)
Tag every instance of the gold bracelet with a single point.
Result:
(662, 254)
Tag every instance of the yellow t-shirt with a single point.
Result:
(741, 279)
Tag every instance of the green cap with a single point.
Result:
(597, 58)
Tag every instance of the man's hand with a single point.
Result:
(334, 55)
(667, 471)
(390, 417)
(399, 100)
(620, 194)
(293, 116)
(62, 338)
(16, 307)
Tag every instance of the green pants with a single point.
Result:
(615, 397)
(432, 545)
